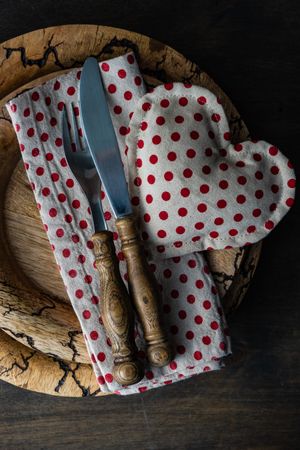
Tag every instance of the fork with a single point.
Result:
(116, 309)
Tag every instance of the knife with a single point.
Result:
(116, 309)
(103, 145)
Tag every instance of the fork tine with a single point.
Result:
(75, 130)
(84, 141)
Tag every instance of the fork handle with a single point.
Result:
(116, 310)
(144, 291)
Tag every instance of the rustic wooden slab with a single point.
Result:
(34, 309)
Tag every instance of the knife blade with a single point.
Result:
(116, 308)
(102, 143)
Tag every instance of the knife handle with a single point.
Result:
(144, 291)
(117, 313)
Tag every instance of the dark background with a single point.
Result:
(252, 50)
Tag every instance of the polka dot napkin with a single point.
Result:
(193, 315)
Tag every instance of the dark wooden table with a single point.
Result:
(252, 49)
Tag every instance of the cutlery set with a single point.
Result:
(97, 161)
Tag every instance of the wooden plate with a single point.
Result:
(41, 344)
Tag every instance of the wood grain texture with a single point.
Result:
(144, 292)
(116, 311)
(24, 60)
(252, 49)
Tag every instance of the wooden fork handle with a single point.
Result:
(117, 313)
(144, 292)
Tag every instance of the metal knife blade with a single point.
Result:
(101, 138)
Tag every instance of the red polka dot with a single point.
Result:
(151, 179)
(206, 340)
(273, 151)
(35, 96)
(198, 226)
(201, 100)
(289, 202)
(72, 273)
(146, 106)
(163, 215)
(218, 221)
(251, 229)
(160, 120)
(40, 171)
(182, 212)
(161, 233)
(241, 199)
(216, 117)
(242, 180)
(149, 198)
(101, 356)
(202, 207)
(181, 349)
(221, 203)
(223, 184)
(183, 101)
(179, 119)
(197, 355)
(180, 230)
(199, 284)
(45, 191)
(30, 132)
(166, 196)
(171, 156)
(204, 188)
(238, 147)
(214, 234)
(168, 176)
(79, 293)
(185, 192)
(187, 173)
(83, 224)
(198, 117)
(269, 224)
(291, 183)
(175, 136)
(194, 135)
(61, 197)
(35, 152)
(94, 336)
(189, 335)
(128, 95)
(137, 80)
(86, 314)
(233, 232)
(259, 194)
(71, 90)
(156, 139)
(164, 103)
(238, 217)
(112, 88)
(206, 304)
(60, 232)
(105, 67)
(191, 298)
(122, 73)
(198, 320)
(173, 365)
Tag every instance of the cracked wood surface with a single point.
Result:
(39, 327)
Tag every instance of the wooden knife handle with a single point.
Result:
(117, 313)
(144, 292)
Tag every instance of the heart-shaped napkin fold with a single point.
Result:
(194, 190)
(192, 312)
